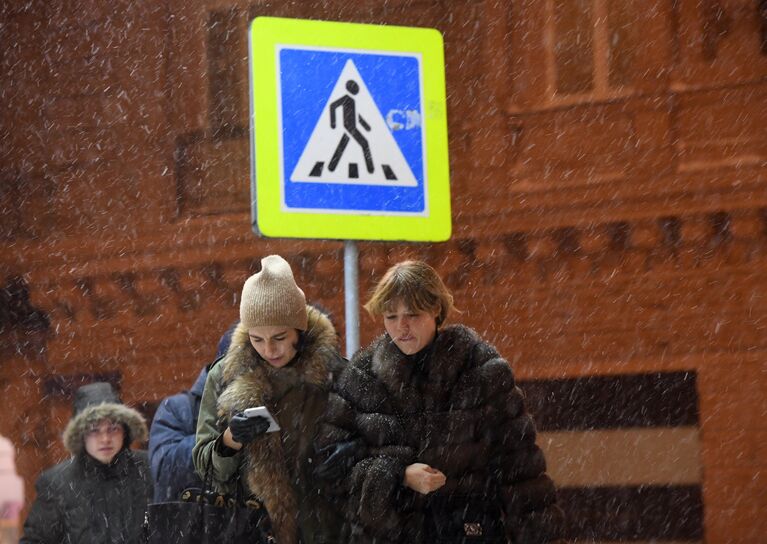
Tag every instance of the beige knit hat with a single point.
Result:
(271, 298)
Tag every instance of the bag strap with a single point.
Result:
(208, 479)
(207, 484)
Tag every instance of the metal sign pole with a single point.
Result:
(351, 297)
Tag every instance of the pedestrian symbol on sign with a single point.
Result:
(346, 103)
(328, 157)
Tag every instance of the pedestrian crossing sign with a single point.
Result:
(348, 131)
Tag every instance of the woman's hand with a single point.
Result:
(338, 459)
(229, 442)
(243, 430)
(423, 478)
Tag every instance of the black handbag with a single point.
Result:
(203, 516)
(465, 519)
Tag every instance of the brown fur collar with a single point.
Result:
(74, 434)
(249, 381)
(455, 350)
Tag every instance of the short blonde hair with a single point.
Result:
(414, 283)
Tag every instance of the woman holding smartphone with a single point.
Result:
(282, 357)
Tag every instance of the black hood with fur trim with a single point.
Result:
(94, 403)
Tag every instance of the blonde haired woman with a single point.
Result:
(432, 430)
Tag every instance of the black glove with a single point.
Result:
(246, 429)
(339, 459)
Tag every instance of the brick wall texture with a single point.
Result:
(609, 198)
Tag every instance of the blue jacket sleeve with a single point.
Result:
(171, 439)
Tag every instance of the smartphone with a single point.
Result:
(263, 412)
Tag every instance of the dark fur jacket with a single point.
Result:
(453, 406)
(275, 468)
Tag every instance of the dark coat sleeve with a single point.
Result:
(528, 494)
(372, 489)
(171, 440)
(44, 522)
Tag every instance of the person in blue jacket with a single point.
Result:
(172, 435)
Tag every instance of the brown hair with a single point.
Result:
(414, 283)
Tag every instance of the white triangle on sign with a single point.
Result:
(327, 159)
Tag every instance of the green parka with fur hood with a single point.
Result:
(277, 467)
(84, 501)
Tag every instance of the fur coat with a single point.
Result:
(454, 406)
(275, 468)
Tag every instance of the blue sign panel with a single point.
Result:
(352, 129)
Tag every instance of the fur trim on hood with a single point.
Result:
(319, 338)
(250, 381)
(74, 434)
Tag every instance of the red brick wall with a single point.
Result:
(608, 191)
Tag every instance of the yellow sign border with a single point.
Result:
(269, 219)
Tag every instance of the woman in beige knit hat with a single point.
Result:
(282, 356)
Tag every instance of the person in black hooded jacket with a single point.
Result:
(426, 437)
(100, 494)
